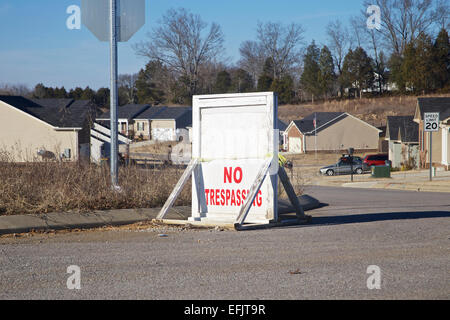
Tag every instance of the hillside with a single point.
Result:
(371, 110)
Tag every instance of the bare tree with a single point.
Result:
(282, 44)
(357, 29)
(15, 89)
(402, 21)
(252, 58)
(128, 84)
(339, 42)
(181, 43)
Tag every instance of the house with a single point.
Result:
(402, 133)
(282, 138)
(125, 117)
(142, 123)
(331, 132)
(440, 139)
(171, 124)
(164, 123)
(38, 129)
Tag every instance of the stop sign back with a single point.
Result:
(130, 15)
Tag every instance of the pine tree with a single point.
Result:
(357, 70)
(242, 81)
(417, 66)
(266, 78)
(147, 85)
(442, 59)
(395, 71)
(284, 87)
(326, 75)
(223, 82)
(310, 77)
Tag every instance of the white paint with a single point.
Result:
(233, 134)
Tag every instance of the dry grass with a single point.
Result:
(371, 110)
(27, 188)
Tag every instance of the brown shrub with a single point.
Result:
(52, 186)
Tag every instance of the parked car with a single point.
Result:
(375, 160)
(346, 157)
(343, 167)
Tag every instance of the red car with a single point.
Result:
(375, 160)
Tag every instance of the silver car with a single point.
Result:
(343, 167)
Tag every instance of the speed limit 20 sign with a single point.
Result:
(431, 121)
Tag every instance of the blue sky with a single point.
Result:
(38, 47)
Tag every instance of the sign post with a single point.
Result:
(430, 125)
(113, 21)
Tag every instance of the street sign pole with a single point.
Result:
(430, 125)
(113, 21)
(431, 157)
(113, 93)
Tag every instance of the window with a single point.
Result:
(141, 126)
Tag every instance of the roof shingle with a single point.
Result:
(62, 113)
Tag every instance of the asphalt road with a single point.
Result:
(405, 234)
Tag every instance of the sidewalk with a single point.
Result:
(415, 180)
(72, 220)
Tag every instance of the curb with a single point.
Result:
(69, 220)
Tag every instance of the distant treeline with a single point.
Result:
(409, 53)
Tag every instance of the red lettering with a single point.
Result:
(222, 195)
(259, 199)
(233, 199)
(206, 195)
(217, 197)
(227, 196)
(238, 169)
(211, 197)
(238, 197)
(227, 175)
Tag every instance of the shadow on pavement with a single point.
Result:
(372, 217)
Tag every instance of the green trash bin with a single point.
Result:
(381, 171)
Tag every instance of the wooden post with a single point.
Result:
(252, 193)
(291, 193)
(176, 191)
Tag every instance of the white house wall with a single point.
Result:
(22, 135)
